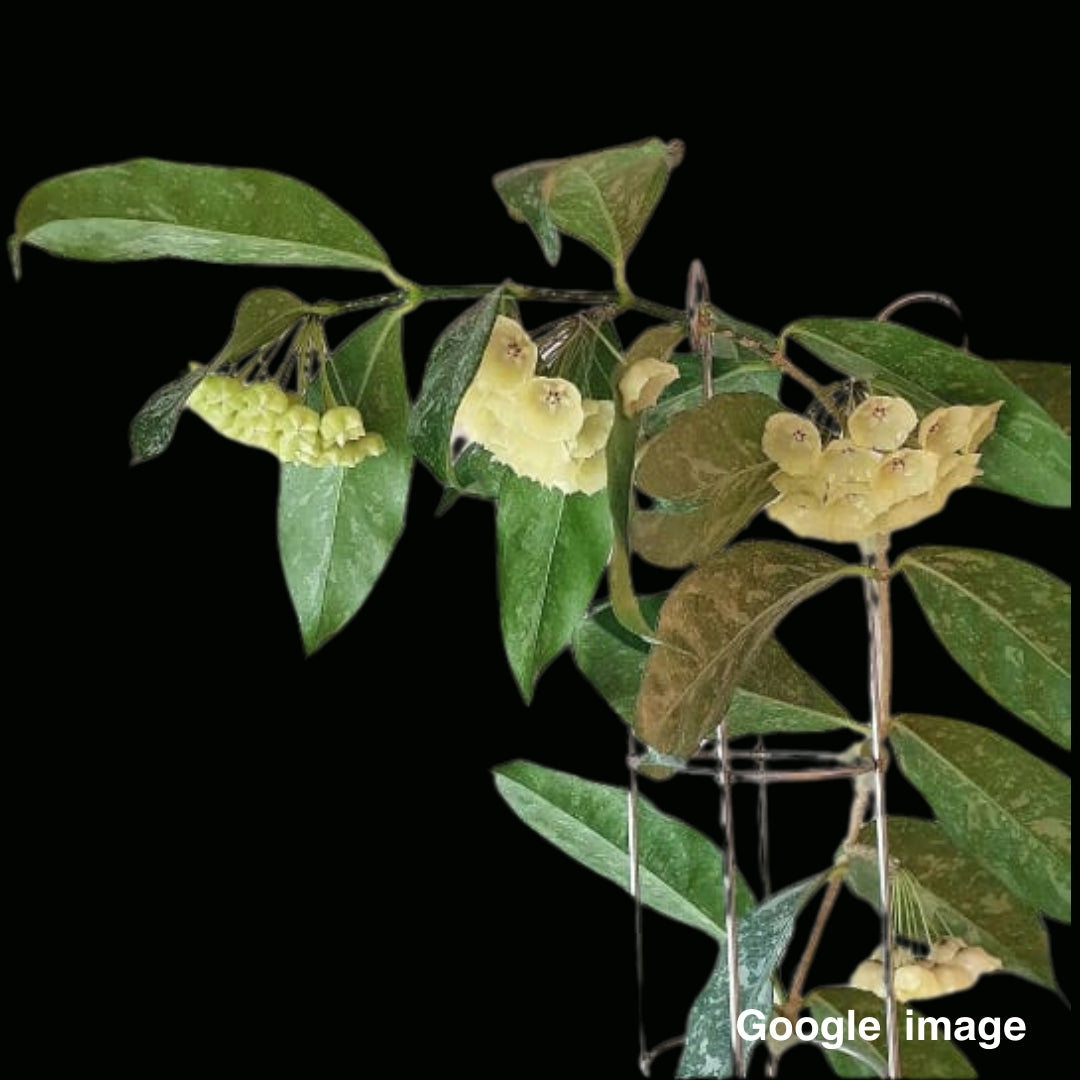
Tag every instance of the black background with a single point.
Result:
(235, 856)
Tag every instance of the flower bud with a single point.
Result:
(340, 425)
(977, 960)
(598, 418)
(642, 383)
(952, 978)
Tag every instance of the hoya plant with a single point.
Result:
(622, 439)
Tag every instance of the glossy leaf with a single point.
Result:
(957, 892)
(455, 356)
(996, 801)
(773, 695)
(604, 199)
(708, 467)
(763, 937)
(1028, 455)
(552, 549)
(712, 626)
(262, 316)
(478, 473)
(1049, 384)
(338, 526)
(934, 1059)
(1006, 623)
(150, 209)
(583, 352)
(681, 869)
(154, 424)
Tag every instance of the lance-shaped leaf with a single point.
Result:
(1049, 384)
(455, 356)
(1027, 455)
(149, 209)
(681, 869)
(712, 626)
(154, 425)
(775, 694)
(1006, 623)
(581, 351)
(709, 469)
(954, 890)
(998, 802)
(763, 936)
(932, 1058)
(552, 549)
(338, 526)
(604, 199)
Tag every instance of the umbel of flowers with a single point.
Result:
(951, 966)
(263, 415)
(540, 427)
(868, 482)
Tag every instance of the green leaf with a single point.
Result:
(681, 869)
(1006, 623)
(338, 526)
(154, 424)
(955, 891)
(1028, 455)
(455, 356)
(774, 695)
(997, 802)
(708, 462)
(930, 1058)
(262, 317)
(552, 549)
(149, 209)
(763, 936)
(478, 473)
(1049, 384)
(580, 350)
(604, 199)
(713, 624)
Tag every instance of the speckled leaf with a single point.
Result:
(1028, 455)
(681, 869)
(774, 694)
(997, 802)
(604, 199)
(552, 549)
(933, 1059)
(154, 425)
(455, 356)
(262, 316)
(734, 372)
(708, 467)
(149, 209)
(338, 526)
(763, 936)
(712, 626)
(580, 350)
(478, 473)
(1049, 384)
(954, 889)
(1006, 623)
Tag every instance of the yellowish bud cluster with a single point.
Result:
(868, 482)
(952, 966)
(262, 414)
(540, 427)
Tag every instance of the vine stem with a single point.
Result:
(879, 620)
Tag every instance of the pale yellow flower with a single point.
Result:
(641, 385)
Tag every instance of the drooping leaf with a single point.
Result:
(455, 356)
(1049, 384)
(262, 316)
(1027, 455)
(154, 425)
(955, 891)
(1006, 623)
(709, 468)
(763, 936)
(932, 1058)
(713, 624)
(150, 209)
(773, 695)
(997, 802)
(604, 199)
(552, 549)
(681, 869)
(338, 526)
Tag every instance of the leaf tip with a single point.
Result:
(15, 255)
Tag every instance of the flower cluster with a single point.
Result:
(541, 427)
(262, 414)
(868, 482)
(952, 966)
